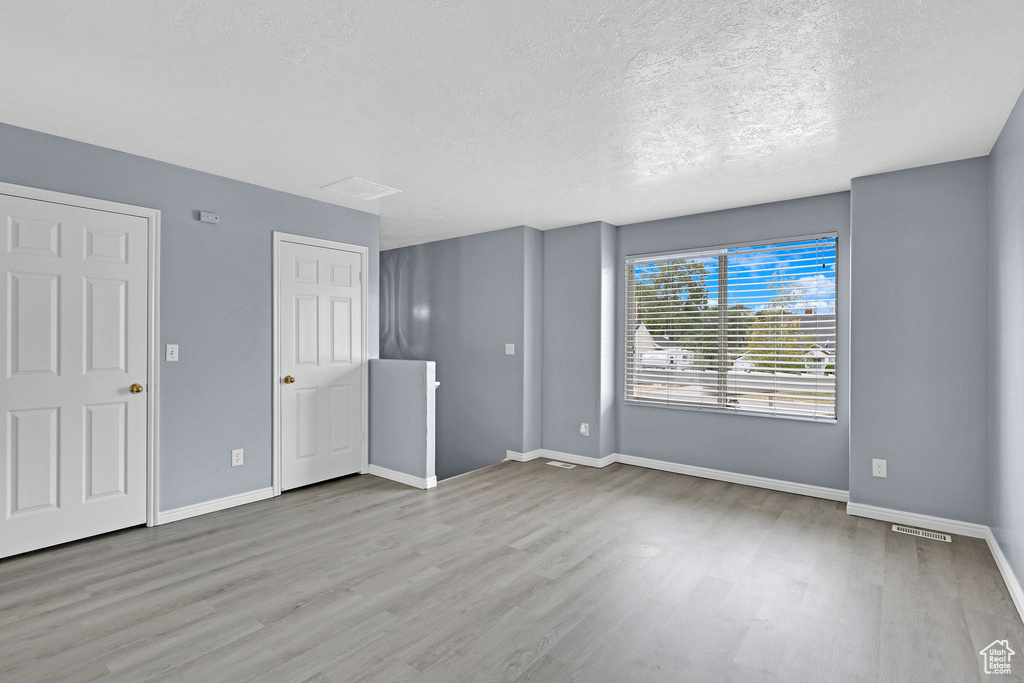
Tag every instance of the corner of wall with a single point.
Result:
(533, 337)
(607, 405)
(1005, 330)
(910, 230)
(578, 373)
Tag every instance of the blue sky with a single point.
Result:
(810, 266)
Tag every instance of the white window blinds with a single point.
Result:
(746, 329)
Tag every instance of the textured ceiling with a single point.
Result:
(540, 112)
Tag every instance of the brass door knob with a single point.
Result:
(135, 388)
(288, 379)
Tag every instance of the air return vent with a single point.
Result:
(563, 465)
(357, 188)
(923, 534)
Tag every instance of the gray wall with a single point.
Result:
(920, 340)
(458, 302)
(402, 416)
(1006, 326)
(579, 339)
(215, 298)
(791, 450)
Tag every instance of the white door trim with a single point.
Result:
(152, 217)
(364, 253)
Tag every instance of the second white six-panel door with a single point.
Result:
(320, 362)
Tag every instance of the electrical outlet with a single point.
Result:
(236, 457)
(510, 349)
(209, 217)
(172, 353)
(878, 468)
(584, 429)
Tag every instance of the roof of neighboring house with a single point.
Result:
(664, 342)
(659, 340)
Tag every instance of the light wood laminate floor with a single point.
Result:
(521, 572)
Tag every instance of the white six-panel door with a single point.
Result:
(320, 347)
(73, 305)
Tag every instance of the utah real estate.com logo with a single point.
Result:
(997, 657)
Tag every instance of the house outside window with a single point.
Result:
(747, 328)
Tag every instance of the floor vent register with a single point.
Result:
(923, 534)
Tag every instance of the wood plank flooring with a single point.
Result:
(518, 572)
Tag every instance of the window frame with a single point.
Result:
(630, 260)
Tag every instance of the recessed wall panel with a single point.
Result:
(33, 452)
(106, 449)
(341, 275)
(341, 331)
(307, 337)
(307, 406)
(33, 329)
(106, 325)
(34, 237)
(107, 246)
(341, 417)
(306, 270)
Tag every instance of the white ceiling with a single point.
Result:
(497, 113)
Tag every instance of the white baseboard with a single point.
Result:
(213, 505)
(523, 457)
(736, 478)
(949, 526)
(1009, 578)
(575, 459)
(558, 455)
(403, 478)
(691, 470)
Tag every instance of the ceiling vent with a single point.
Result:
(357, 188)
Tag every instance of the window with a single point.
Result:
(747, 329)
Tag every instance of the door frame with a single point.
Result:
(152, 217)
(363, 253)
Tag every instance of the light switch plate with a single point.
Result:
(510, 349)
(172, 353)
